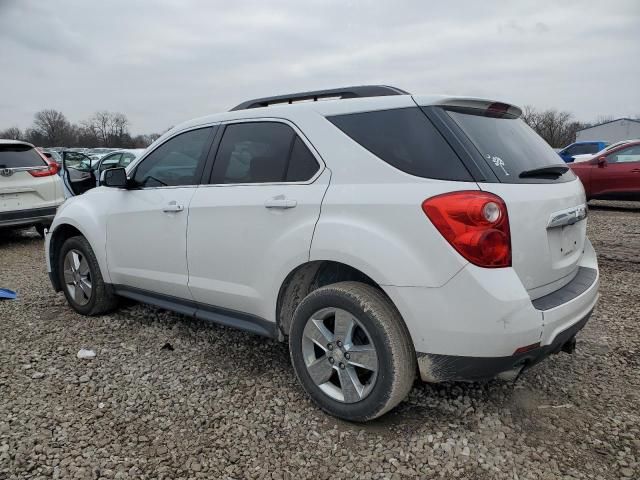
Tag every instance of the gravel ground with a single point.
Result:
(168, 397)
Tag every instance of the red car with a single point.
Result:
(613, 176)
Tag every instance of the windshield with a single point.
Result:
(509, 146)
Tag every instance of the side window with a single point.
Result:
(126, 159)
(255, 152)
(585, 148)
(626, 155)
(110, 162)
(405, 139)
(302, 165)
(176, 162)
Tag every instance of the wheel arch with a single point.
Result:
(58, 236)
(310, 276)
(65, 228)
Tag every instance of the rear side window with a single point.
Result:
(302, 165)
(262, 152)
(405, 139)
(509, 146)
(16, 156)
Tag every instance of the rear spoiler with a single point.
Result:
(490, 107)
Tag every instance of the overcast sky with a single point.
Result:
(164, 61)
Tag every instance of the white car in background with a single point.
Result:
(386, 235)
(585, 157)
(30, 189)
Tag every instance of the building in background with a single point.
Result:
(613, 131)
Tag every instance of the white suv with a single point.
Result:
(384, 234)
(30, 189)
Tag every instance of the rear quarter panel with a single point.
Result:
(372, 218)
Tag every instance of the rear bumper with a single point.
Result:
(445, 368)
(472, 326)
(28, 217)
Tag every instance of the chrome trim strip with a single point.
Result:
(568, 216)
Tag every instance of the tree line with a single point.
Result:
(111, 129)
(51, 128)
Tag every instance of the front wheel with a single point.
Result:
(351, 351)
(80, 277)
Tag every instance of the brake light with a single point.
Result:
(475, 223)
(52, 168)
(497, 110)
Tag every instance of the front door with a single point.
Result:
(620, 175)
(78, 173)
(254, 222)
(147, 224)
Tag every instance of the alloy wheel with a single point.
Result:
(77, 277)
(339, 354)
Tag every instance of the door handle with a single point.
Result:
(173, 207)
(635, 170)
(280, 202)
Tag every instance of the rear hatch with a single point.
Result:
(19, 190)
(545, 201)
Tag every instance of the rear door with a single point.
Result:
(545, 201)
(19, 189)
(253, 223)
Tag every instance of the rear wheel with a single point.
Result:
(351, 351)
(82, 282)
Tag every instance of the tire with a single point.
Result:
(101, 298)
(373, 317)
(40, 229)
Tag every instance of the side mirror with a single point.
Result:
(114, 177)
(602, 162)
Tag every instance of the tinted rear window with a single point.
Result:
(406, 139)
(13, 156)
(509, 146)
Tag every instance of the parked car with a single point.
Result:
(589, 156)
(615, 175)
(82, 172)
(579, 148)
(383, 233)
(30, 189)
(53, 156)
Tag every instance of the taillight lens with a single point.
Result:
(52, 168)
(475, 223)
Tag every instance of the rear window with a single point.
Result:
(406, 139)
(15, 156)
(509, 146)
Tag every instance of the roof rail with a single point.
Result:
(345, 92)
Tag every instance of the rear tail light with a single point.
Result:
(475, 223)
(52, 168)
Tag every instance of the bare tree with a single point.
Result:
(52, 126)
(11, 133)
(556, 127)
(110, 129)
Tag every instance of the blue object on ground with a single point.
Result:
(6, 294)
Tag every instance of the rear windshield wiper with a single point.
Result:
(549, 171)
